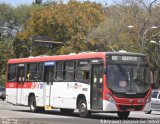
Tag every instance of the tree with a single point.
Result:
(67, 23)
(113, 34)
(10, 23)
(38, 1)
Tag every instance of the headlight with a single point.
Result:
(109, 98)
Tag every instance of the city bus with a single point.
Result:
(88, 82)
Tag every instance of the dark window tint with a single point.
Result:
(69, 73)
(11, 72)
(59, 66)
(39, 71)
(83, 75)
(159, 96)
(59, 72)
(154, 94)
(31, 71)
(83, 65)
(83, 70)
(69, 65)
(49, 73)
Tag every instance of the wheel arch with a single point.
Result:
(79, 97)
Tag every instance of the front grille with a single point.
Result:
(130, 108)
(124, 95)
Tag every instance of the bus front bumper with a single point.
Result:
(112, 107)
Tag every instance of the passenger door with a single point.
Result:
(48, 79)
(97, 87)
(20, 83)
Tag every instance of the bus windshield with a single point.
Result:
(128, 78)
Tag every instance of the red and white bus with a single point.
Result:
(89, 82)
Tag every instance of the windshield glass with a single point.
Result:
(2, 89)
(154, 94)
(128, 78)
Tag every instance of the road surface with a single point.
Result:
(10, 114)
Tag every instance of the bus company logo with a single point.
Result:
(35, 85)
(76, 86)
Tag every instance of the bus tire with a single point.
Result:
(33, 105)
(67, 111)
(123, 115)
(83, 112)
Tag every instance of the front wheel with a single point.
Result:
(33, 106)
(83, 112)
(123, 115)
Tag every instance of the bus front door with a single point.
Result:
(20, 83)
(97, 87)
(48, 78)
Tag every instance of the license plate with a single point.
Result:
(130, 109)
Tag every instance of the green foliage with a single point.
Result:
(11, 21)
(5, 13)
(24, 12)
(67, 23)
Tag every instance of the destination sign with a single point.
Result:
(49, 63)
(126, 58)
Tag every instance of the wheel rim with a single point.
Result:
(83, 107)
(32, 105)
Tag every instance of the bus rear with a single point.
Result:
(128, 86)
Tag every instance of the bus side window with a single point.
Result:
(49, 73)
(83, 70)
(59, 71)
(39, 75)
(83, 75)
(69, 72)
(11, 72)
(31, 74)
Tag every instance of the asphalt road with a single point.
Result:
(10, 114)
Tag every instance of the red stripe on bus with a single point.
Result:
(19, 85)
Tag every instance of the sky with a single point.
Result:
(16, 3)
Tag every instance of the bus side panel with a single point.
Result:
(36, 88)
(11, 92)
(11, 95)
(65, 94)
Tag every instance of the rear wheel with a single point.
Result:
(67, 111)
(123, 115)
(83, 112)
(33, 106)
